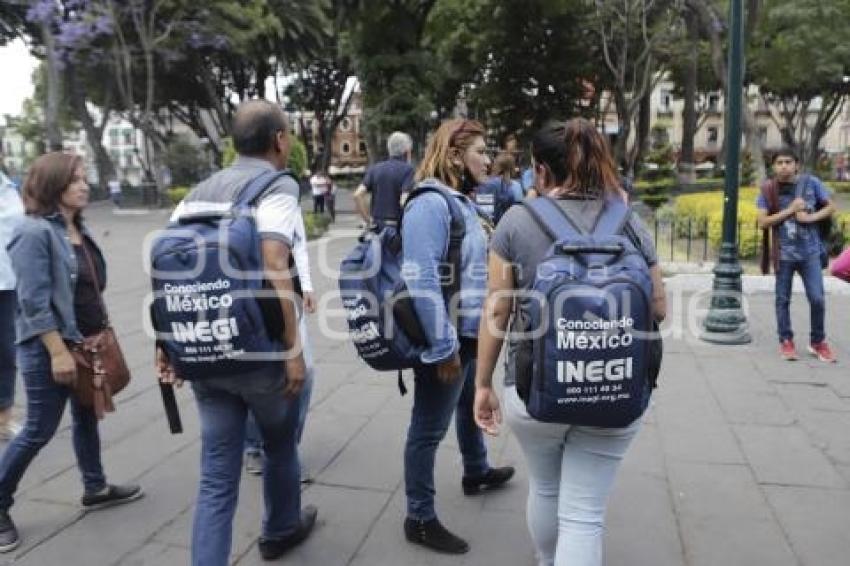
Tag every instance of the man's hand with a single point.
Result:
(296, 373)
(449, 370)
(803, 217)
(309, 302)
(64, 368)
(165, 371)
(797, 205)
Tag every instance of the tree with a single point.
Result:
(385, 40)
(630, 34)
(801, 60)
(503, 58)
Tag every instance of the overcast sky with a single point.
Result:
(16, 67)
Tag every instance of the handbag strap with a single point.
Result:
(96, 280)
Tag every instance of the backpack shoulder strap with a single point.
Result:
(457, 226)
(770, 191)
(613, 217)
(551, 219)
(254, 189)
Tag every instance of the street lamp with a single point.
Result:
(726, 323)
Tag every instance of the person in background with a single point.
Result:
(60, 274)
(571, 468)
(500, 191)
(330, 198)
(253, 439)
(801, 200)
(387, 181)
(11, 214)
(320, 183)
(115, 191)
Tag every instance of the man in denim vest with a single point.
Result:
(273, 395)
(800, 201)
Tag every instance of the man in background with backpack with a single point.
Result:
(791, 205)
(273, 392)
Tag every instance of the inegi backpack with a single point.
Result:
(213, 312)
(381, 318)
(584, 356)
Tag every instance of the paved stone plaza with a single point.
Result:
(744, 460)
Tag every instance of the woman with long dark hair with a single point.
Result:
(60, 274)
(455, 162)
(571, 468)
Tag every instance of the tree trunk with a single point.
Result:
(753, 141)
(687, 173)
(52, 84)
(641, 146)
(94, 133)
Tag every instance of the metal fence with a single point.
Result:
(698, 241)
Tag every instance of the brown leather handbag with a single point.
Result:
(101, 369)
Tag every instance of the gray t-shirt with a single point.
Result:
(519, 240)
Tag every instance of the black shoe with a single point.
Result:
(111, 495)
(495, 477)
(8, 533)
(271, 548)
(432, 534)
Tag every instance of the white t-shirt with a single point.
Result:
(320, 184)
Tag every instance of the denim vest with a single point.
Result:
(47, 270)
(425, 241)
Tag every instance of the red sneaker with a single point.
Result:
(787, 350)
(822, 351)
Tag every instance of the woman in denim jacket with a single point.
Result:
(58, 305)
(456, 160)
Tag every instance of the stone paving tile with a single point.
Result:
(785, 456)
(724, 519)
(816, 521)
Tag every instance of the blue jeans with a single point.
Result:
(45, 405)
(7, 349)
(812, 274)
(223, 404)
(253, 439)
(571, 471)
(433, 405)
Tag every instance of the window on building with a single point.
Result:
(345, 148)
(714, 103)
(763, 134)
(113, 136)
(345, 124)
(129, 158)
(361, 147)
(115, 156)
(712, 135)
(666, 102)
(10, 149)
(128, 137)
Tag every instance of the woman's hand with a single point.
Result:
(449, 370)
(64, 367)
(486, 410)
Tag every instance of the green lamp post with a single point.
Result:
(725, 322)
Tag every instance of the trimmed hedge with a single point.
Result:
(176, 194)
(705, 212)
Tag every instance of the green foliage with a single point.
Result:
(297, 157)
(748, 171)
(228, 152)
(315, 225)
(839, 186)
(186, 161)
(176, 194)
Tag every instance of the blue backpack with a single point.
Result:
(213, 312)
(381, 318)
(587, 361)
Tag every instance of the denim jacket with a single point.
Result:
(425, 242)
(46, 268)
